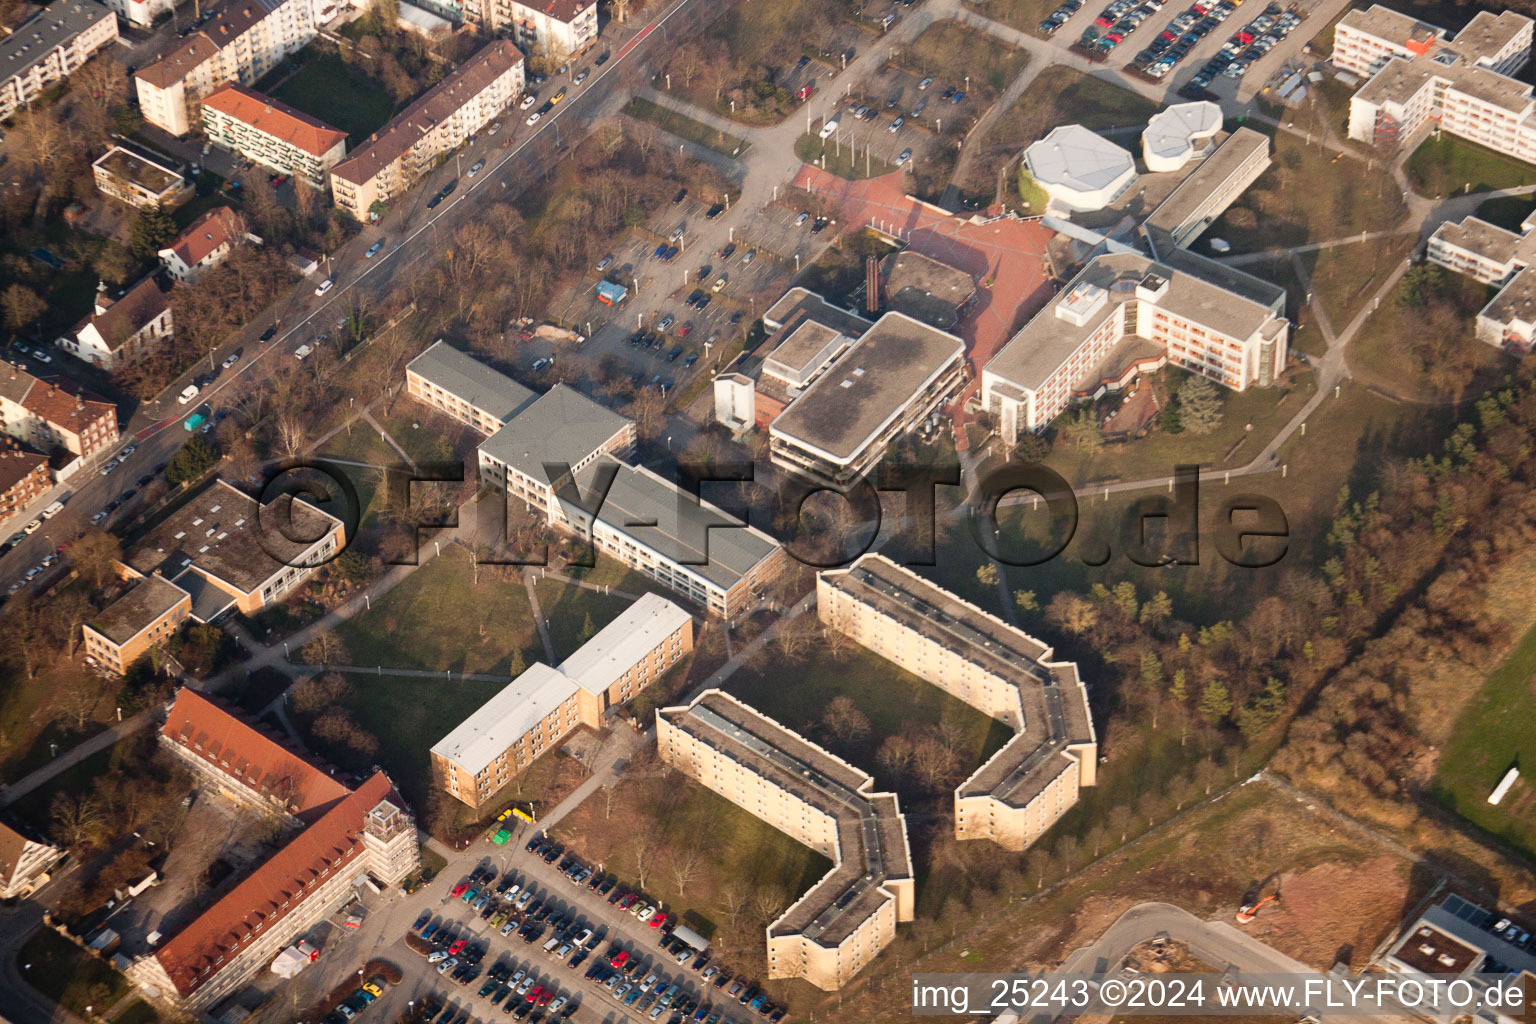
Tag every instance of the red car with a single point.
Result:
(278, 180)
(619, 959)
(1168, 34)
(533, 997)
(458, 890)
(628, 901)
(1103, 21)
(685, 330)
(1115, 37)
(545, 995)
(659, 920)
(457, 947)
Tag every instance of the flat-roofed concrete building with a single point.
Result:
(49, 46)
(1205, 195)
(545, 445)
(1023, 789)
(392, 159)
(844, 920)
(241, 43)
(1125, 313)
(462, 387)
(230, 552)
(1418, 77)
(1080, 170)
(272, 133)
(898, 373)
(137, 180)
(925, 289)
(1504, 259)
(543, 705)
(1457, 939)
(146, 616)
(803, 300)
(1180, 133)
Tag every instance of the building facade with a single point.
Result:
(137, 180)
(203, 244)
(555, 28)
(48, 416)
(241, 43)
(24, 477)
(393, 159)
(1503, 259)
(543, 705)
(121, 331)
(1025, 788)
(146, 616)
(843, 921)
(25, 861)
(464, 389)
(1204, 196)
(1125, 310)
(1419, 78)
(273, 134)
(50, 46)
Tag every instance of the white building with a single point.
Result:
(140, 13)
(121, 331)
(1124, 314)
(1211, 187)
(24, 862)
(51, 45)
(273, 134)
(1079, 170)
(1180, 133)
(203, 244)
(1418, 77)
(241, 43)
(1494, 256)
(1458, 941)
(557, 28)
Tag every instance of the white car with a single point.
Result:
(477, 168)
(494, 128)
(896, 125)
(528, 101)
(41, 356)
(828, 128)
(187, 394)
(99, 516)
(646, 913)
(302, 352)
(906, 155)
(231, 361)
(925, 83)
(581, 76)
(556, 1006)
(325, 286)
(32, 527)
(532, 118)
(437, 956)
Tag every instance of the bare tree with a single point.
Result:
(78, 819)
(325, 649)
(844, 720)
(770, 900)
(292, 435)
(685, 864)
(643, 848)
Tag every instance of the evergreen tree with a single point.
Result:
(152, 230)
(1199, 405)
(191, 461)
(587, 629)
(1215, 702)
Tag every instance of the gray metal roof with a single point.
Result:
(471, 380)
(561, 426)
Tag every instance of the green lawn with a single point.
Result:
(438, 619)
(684, 127)
(324, 88)
(569, 610)
(1035, 198)
(1445, 165)
(843, 160)
(796, 695)
(68, 975)
(1494, 734)
(1345, 276)
(1506, 212)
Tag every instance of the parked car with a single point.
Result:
(187, 394)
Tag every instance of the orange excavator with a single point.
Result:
(1250, 908)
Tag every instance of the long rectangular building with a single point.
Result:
(394, 158)
(1210, 188)
(1023, 789)
(1494, 256)
(272, 133)
(49, 46)
(543, 705)
(843, 921)
(1194, 313)
(462, 387)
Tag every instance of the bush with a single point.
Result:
(191, 461)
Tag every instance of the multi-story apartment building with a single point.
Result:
(384, 167)
(241, 43)
(49, 46)
(837, 927)
(1205, 195)
(1418, 76)
(898, 373)
(138, 180)
(1124, 313)
(24, 478)
(1023, 789)
(49, 416)
(543, 705)
(272, 133)
(366, 833)
(146, 616)
(140, 13)
(464, 388)
(203, 244)
(1494, 256)
(121, 331)
(25, 860)
(228, 551)
(557, 28)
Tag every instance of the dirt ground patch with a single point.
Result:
(1330, 906)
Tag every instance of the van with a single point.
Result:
(302, 352)
(552, 944)
(53, 510)
(187, 394)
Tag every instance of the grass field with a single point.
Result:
(1380, 354)
(684, 127)
(1444, 165)
(439, 619)
(1506, 212)
(1345, 276)
(66, 974)
(894, 700)
(1021, 14)
(843, 160)
(965, 57)
(1492, 735)
(568, 609)
(325, 89)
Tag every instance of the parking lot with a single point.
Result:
(519, 938)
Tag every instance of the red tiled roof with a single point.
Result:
(274, 889)
(195, 50)
(219, 226)
(56, 404)
(561, 10)
(16, 464)
(229, 743)
(276, 119)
